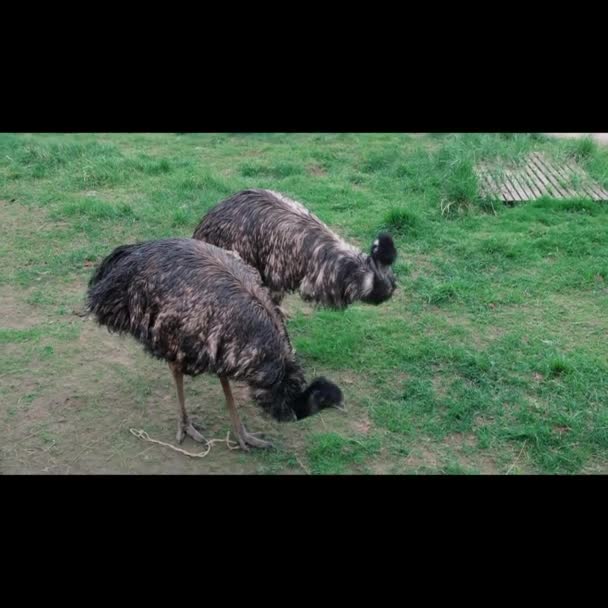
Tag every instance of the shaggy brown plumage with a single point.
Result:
(202, 309)
(293, 249)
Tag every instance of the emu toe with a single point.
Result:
(253, 440)
(189, 429)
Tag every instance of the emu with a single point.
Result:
(292, 249)
(202, 309)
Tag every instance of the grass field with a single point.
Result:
(492, 357)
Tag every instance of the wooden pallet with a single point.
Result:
(537, 177)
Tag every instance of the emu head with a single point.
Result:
(319, 395)
(379, 282)
(290, 399)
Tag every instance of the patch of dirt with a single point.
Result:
(484, 464)
(72, 414)
(459, 440)
(480, 334)
(441, 382)
(421, 457)
(18, 219)
(16, 313)
(480, 461)
(362, 425)
(431, 456)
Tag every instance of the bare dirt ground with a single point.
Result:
(107, 385)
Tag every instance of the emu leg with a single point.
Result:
(184, 426)
(244, 438)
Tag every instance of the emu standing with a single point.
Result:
(291, 248)
(202, 309)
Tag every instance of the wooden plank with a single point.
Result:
(542, 183)
(538, 184)
(587, 184)
(534, 184)
(485, 188)
(548, 178)
(513, 194)
(551, 174)
(551, 191)
(582, 190)
(535, 178)
(524, 183)
(551, 171)
(492, 188)
(501, 187)
(497, 188)
(515, 182)
(603, 191)
(590, 185)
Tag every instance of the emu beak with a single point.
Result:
(341, 407)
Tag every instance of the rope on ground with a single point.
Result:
(515, 461)
(141, 434)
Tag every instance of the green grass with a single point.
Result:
(583, 148)
(330, 453)
(492, 355)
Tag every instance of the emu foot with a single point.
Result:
(253, 440)
(187, 428)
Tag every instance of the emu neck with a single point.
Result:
(334, 281)
(302, 406)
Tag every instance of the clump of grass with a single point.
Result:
(278, 170)
(94, 209)
(582, 148)
(331, 454)
(183, 216)
(460, 188)
(582, 206)
(379, 161)
(54, 154)
(277, 461)
(499, 247)
(445, 293)
(459, 184)
(401, 221)
(559, 366)
(156, 167)
(575, 181)
(453, 467)
(186, 185)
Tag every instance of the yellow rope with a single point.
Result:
(141, 434)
